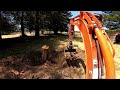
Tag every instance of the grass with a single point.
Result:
(113, 31)
(22, 47)
(28, 45)
(17, 46)
(117, 60)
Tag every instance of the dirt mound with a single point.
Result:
(32, 67)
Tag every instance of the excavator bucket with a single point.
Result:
(70, 49)
(71, 57)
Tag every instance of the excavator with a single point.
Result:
(99, 50)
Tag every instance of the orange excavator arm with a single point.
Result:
(99, 50)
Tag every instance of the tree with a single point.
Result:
(5, 24)
(35, 21)
(19, 19)
(112, 15)
(37, 24)
(112, 18)
(22, 23)
(30, 21)
(59, 20)
(0, 26)
(47, 20)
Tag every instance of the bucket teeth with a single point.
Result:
(70, 50)
(70, 56)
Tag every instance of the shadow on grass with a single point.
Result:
(20, 45)
(117, 43)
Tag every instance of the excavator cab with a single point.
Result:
(99, 51)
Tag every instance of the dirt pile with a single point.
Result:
(30, 66)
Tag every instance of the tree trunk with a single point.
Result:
(55, 32)
(0, 36)
(37, 24)
(0, 27)
(42, 31)
(61, 32)
(22, 25)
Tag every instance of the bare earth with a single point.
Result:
(19, 68)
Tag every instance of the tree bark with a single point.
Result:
(22, 24)
(55, 32)
(42, 32)
(0, 27)
(37, 25)
(0, 36)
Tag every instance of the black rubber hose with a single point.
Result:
(99, 54)
(99, 57)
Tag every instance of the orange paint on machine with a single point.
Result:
(99, 49)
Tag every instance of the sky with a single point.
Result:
(75, 13)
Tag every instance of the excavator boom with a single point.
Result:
(99, 49)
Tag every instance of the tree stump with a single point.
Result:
(117, 38)
(45, 53)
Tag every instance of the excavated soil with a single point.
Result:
(31, 66)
